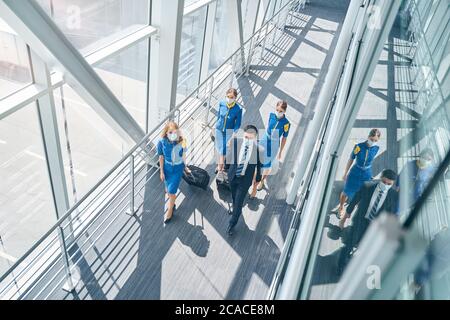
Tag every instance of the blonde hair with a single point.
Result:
(171, 125)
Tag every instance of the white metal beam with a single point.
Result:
(50, 137)
(197, 6)
(33, 25)
(167, 16)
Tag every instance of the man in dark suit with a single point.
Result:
(372, 199)
(245, 169)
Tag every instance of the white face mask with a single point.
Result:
(172, 137)
(371, 143)
(230, 101)
(279, 114)
(384, 187)
(424, 163)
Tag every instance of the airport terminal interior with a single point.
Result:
(87, 87)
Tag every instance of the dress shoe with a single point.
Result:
(167, 220)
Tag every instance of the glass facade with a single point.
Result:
(408, 102)
(26, 204)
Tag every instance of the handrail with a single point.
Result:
(144, 143)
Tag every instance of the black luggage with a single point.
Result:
(198, 177)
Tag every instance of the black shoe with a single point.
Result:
(167, 220)
(230, 212)
(230, 231)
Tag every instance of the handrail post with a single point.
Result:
(131, 210)
(249, 58)
(71, 280)
(276, 23)
(232, 70)
(211, 88)
(263, 46)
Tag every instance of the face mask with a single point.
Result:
(230, 101)
(371, 143)
(279, 114)
(385, 187)
(423, 163)
(172, 137)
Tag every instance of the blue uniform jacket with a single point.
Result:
(278, 127)
(229, 118)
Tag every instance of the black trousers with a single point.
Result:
(239, 191)
(356, 233)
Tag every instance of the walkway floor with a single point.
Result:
(192, 258)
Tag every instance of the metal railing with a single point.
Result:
(58, 259)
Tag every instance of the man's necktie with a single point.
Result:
(374, 210)
(240, 167)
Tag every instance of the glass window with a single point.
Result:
(187, 3)
(221, 48)
(26, 203)
(90, 25)
(126, 75)
(95, 146)
(191, 52)
(14, 63)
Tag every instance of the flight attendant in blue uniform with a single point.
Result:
(229, 120)
(172, 158)
(363, 154)
(416, 175)
(274, 141)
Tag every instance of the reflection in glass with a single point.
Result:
(126, 75)
(95, 146)
(408, 101)
(14, 63)
(191, 52)
(90, 25)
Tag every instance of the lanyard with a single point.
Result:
(226, 117)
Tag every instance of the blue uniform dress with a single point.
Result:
(276, 129)
(228, 122)
(173, 163)
(362, 169)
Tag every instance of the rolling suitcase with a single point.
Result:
(197, 178)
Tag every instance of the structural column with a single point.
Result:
(167, 16)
